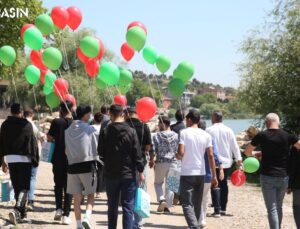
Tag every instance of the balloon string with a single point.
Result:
(111, 95)
(36, 105)
(14, 83)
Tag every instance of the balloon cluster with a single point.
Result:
(44, 61)
(238, 177)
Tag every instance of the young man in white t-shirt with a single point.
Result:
(193, 144)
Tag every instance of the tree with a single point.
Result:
(207, 109)
(271, 70)
(198, 100)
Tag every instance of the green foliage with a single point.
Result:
(208, 108)
(271, 72)
(198, 100)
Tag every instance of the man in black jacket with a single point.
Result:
(19, 147)
(120, 151)
(179, 125)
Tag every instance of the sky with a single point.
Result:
(206, 33)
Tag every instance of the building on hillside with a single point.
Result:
(185, 98)
(218, 92)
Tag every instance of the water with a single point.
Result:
(237, 125)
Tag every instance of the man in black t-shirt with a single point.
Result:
(179, 125)
(56, 134)
(275, 145)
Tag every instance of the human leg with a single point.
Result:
(204, 204)
(113, 188)
(296, 206)
(128, 189)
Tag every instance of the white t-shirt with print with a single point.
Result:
(195, 142)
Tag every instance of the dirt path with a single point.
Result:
(246, 204)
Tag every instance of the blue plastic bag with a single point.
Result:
(7, 191)
(142, 203)
(47, 151)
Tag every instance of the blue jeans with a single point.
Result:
(296, 206)
(32, 183)
(127, 188)
(273, 189)
(138, 221)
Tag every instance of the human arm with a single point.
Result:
(2, 142)
(212, 165)
(52, 131)
(181, 147)
(218, 160)
(137, 155)
(235, 149)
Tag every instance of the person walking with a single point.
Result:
(179, 125)
(40, 138)
(294, 183)
(18, 153)
(56, 134)
(228, 149)
(193, 145)
(120, 151)
(81, 149)
(144, 136)
(165, 146)
(275, 146)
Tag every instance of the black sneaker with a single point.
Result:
(162, 205)
(215, 215)
(167, 210)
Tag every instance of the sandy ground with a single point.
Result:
(245, 203)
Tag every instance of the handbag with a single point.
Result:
(142, 203)
(173, 178)
(47, 151)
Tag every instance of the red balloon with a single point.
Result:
(139, 24)
(24, 28)
(61, 87)
(127, 52)
(42, 75)
(120, 100)
(60, 16)
(83, 58)
(70, 98)
(37, 60)
(238, 178)
(92, 67)
(146, 108)
(102, 49)
(75, 17)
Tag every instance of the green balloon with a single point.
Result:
(176, 87)
(33, 38)
(32, 74)
(52, 58)
(50, 78)
(100, 83)
(251, 165)
(47, 90)
(89, 46)
(136, 38)
(163, 63)
(109, 73)
(52, 100)
(184, 71)
(150, 55)
(44, 23)
(125, 77)
(124, 88)
(7, 55)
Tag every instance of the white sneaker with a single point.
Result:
(66, 220)
(86, 223)
(58, 215)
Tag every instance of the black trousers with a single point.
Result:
(101, 179)
(20, 174)
(223, 185)
(60, 170)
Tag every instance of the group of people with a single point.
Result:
(112, 151)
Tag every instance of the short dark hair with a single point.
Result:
(16, 108)
(218, 116)
(179, 115)
(98, 117)
(165, 120)
(116, 110)
(28, 112)
(82, 110)
(202, 124)
(104, 109)
(66, 106)
(194, 116)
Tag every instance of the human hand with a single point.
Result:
(221, 175)
(141, 178)
(258, 155)
(4, 167)
(151, 164)
(214, 182)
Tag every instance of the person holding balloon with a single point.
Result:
(275, 146)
